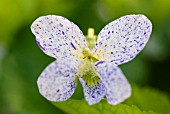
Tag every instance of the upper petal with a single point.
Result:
(57, 81)
(117, 86)
(58, 37)
(121, 40)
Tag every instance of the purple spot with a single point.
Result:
(131, 57)
(141, 44)
(93, 96)
(138, 50)
(38, 43)
(37, 32)
(100, 43)
(111, 52)
(100, 62)
(112, 61)
(61, 25)
(73, 45)
(67, 75)
(121, 61)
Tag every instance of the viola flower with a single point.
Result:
(97, 69)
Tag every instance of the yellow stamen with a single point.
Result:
(90, 34)
(91, 38)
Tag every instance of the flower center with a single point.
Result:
(87, 70)
(86, 54)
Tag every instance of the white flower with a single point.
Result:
(117, 43)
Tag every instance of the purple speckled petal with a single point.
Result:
(121, 40)
(117, 86)
(94, 93)
(58, 37)
(57, 81)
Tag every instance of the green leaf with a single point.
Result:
(143, 101)
(147, 98)
(80, 106)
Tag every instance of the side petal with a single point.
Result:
(121, 40)
(58, 81)
(117, 86)
(58, 37)
(93, 94)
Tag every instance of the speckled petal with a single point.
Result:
(57, 81)
(121, 40)
(93, 94)
(117, 86)
(58, 37)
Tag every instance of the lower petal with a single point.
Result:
(57, 81)
(117, 87)
(93, 93)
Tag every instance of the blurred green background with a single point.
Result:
(21, 60)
